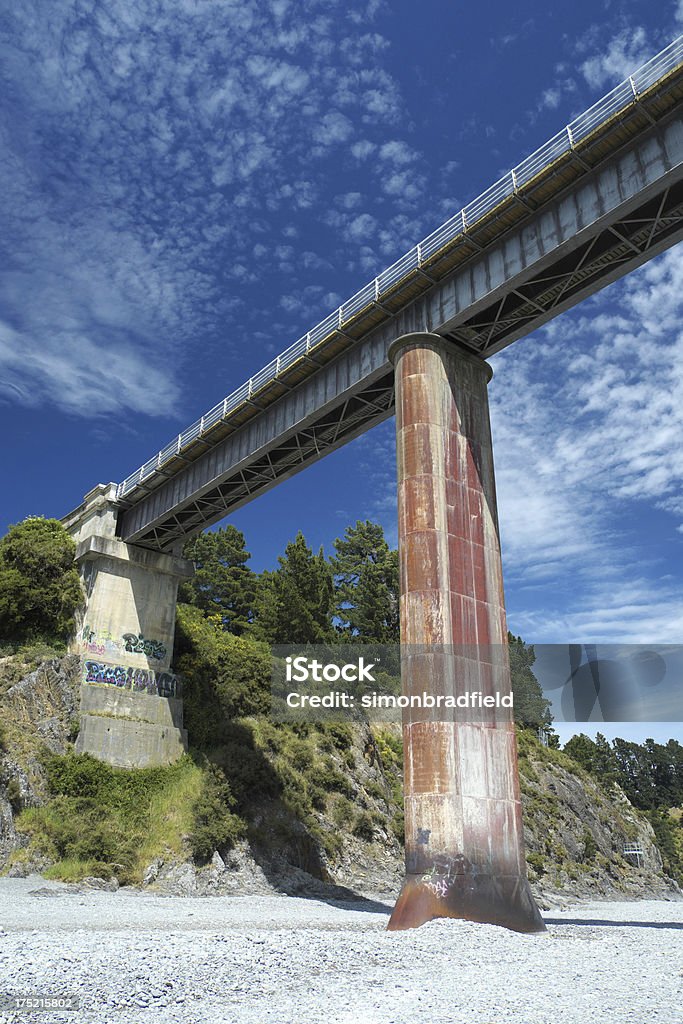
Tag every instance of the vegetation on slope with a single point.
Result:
(304, 788)
(651, 776)
(111, 822)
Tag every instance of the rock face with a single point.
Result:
(40, 710)
(349, 847)
(577, 834)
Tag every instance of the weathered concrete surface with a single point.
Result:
(129, 744)
(129, 618)
(130, 729)
(464, 836)
(126, 641)
(111, 702)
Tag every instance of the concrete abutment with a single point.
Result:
(131, 705)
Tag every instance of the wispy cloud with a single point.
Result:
(146, 151)
(587, 423)
(623, 54)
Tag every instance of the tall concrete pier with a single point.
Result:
(131, 709)
(464, 837)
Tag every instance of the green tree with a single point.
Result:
(40, 589)
(662, 768)
(366, 584)
(531, 707)
(224, 676)
(581, 749)
(595, 756)
(675, 753)
(295, 603)
(635, 773)
(223, 584)
(665, 837)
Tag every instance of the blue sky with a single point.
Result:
(189, 185)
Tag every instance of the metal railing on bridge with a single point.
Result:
(614, 103)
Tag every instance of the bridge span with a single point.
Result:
(596, 201)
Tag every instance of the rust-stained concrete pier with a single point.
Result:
(464, 835)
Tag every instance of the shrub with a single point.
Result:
(537, 862)
(112, 821)
(590, 847)
(224, 676)
(329, 776)
(398, 826)
(339, 733)
(14, 795)
(364, 826)
(214, 827)
(343, 812)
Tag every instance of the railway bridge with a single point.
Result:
(599, 199)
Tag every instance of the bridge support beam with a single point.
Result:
(131, 708)
(464, 837)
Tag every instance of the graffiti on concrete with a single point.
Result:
(101, 642)
(140, 680)
(138, 645)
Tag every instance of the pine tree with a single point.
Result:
(531, 708)
(366, 584)
(223, 584)
(296, 601)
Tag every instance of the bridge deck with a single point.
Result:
(598, 199)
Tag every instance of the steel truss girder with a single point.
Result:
(617, 244)
(517, 309)
(355, 415)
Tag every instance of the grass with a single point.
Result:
(111, 822)
(73, 870)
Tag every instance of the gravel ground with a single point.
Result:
(134, 956)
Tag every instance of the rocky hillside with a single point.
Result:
(276, 808)
(38, 712)
(576, 833)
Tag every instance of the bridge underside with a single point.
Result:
(553, 287)
(622, 246)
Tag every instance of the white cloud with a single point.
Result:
(398, 153)
(81, 378)
(587, 424)
(334, 127)
(363, 149)
(550, 99)
(348, 200)
(403, 183)
(624, 53)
